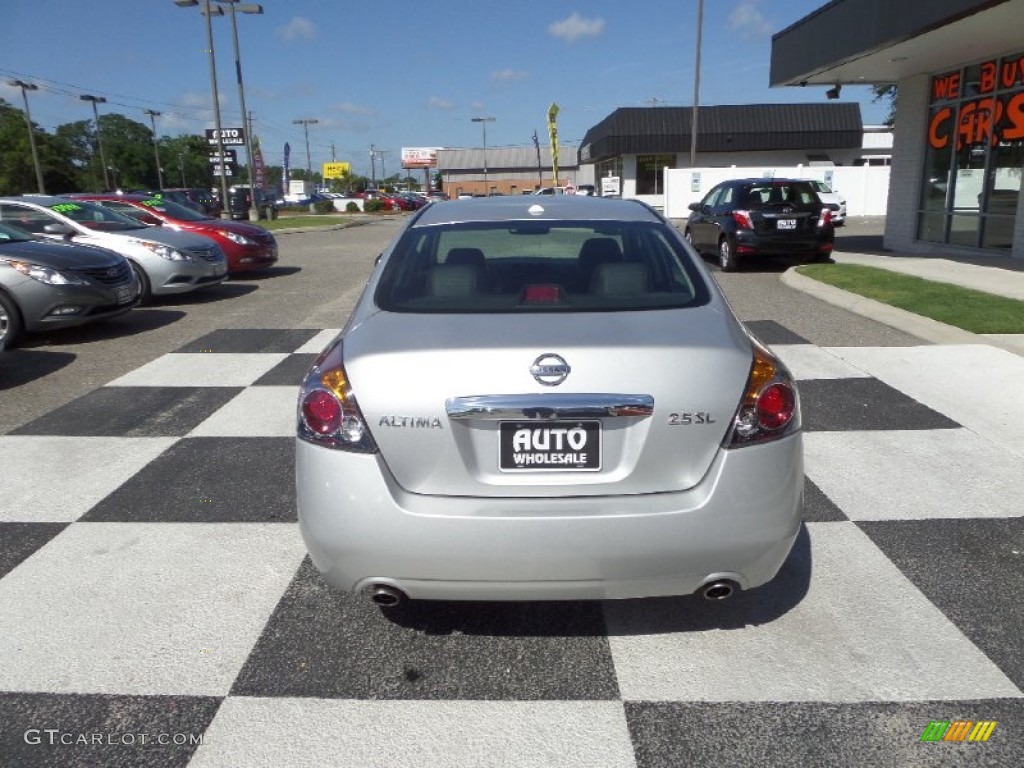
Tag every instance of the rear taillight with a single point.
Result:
(742, 219)
(770, 407)
(826, 217)
(328, 414)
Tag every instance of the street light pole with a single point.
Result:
(225, 212)
(696, 87)
(99, 137)
(305, 123)
(254, 213)
(153, 115)
(25, 87)
(483, 123)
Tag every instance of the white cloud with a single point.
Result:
(575, 27)
(509, 74)
(353, 109)
(436, 102)
(299, 28)
(747, 18)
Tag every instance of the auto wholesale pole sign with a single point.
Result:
(229, 137)
(419, 157)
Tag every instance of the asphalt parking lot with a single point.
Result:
(153, 583)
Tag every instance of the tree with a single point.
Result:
(886, 92)
(17, 169)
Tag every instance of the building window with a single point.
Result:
(608, 169)
(649, 170)
(974, 158)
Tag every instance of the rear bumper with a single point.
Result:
(753, 244)
(739, 523)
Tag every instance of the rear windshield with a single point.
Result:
(540, 267)
(780, 193)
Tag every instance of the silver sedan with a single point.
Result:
(546, 400)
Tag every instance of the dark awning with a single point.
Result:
(725, 128)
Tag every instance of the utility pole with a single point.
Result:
(483, 122)
(153, 115)
(540, 168)
(305, 123)
(99, 138)
(373, 166)
(25, 87)
(696, 87)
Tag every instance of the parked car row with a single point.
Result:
(69, 260)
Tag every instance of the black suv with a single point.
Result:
(744, 218)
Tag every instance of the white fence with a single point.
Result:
(865, 187)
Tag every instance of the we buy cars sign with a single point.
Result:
(231, 137)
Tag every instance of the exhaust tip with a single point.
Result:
(387, 596)
(719, 590)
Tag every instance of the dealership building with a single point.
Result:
(958, 140)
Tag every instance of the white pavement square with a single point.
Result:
(254, 412)
(806, 361)
(143, 608)
(411, 734)
(83, 470)
(975, 385)
(915, 474)
(863, 632)
(212, 369)
(317, 343)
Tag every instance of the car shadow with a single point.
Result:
(227, 290)
(139, 320)
(656, 615)
(265, 274)
(21, 366)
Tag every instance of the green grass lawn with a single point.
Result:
(971, 310)
(305, 220)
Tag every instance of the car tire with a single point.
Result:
(726, 255)
(10, 322)
(688, 236)
(145, 289)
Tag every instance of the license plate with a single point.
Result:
(785, 224)
(123, 295)
(552, 446)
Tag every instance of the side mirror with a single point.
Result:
(694, 206)
(63, 230)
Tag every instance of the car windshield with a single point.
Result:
(11, 234)
(96, 216)
(174, 210)
(526, 266)
(780, 193)
(821, 186)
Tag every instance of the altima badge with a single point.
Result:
(550, 369)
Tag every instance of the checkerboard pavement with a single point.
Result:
(154, 590)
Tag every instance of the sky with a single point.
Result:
(390, 75)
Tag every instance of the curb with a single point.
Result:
(916, 325)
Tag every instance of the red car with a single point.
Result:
(246, 245)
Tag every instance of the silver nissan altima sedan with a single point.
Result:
(546, 399)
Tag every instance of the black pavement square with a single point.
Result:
(18, 541)
(132, 412)
(209, 479)
(863, 404)
(89, 730)
(855, 735)
(973, 570)
(291, 370)
(251, 340)
(327, 644)
(819, 508)
(771, 332)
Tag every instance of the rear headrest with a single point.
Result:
(619, 279)
(599, 250)
(454, 280)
